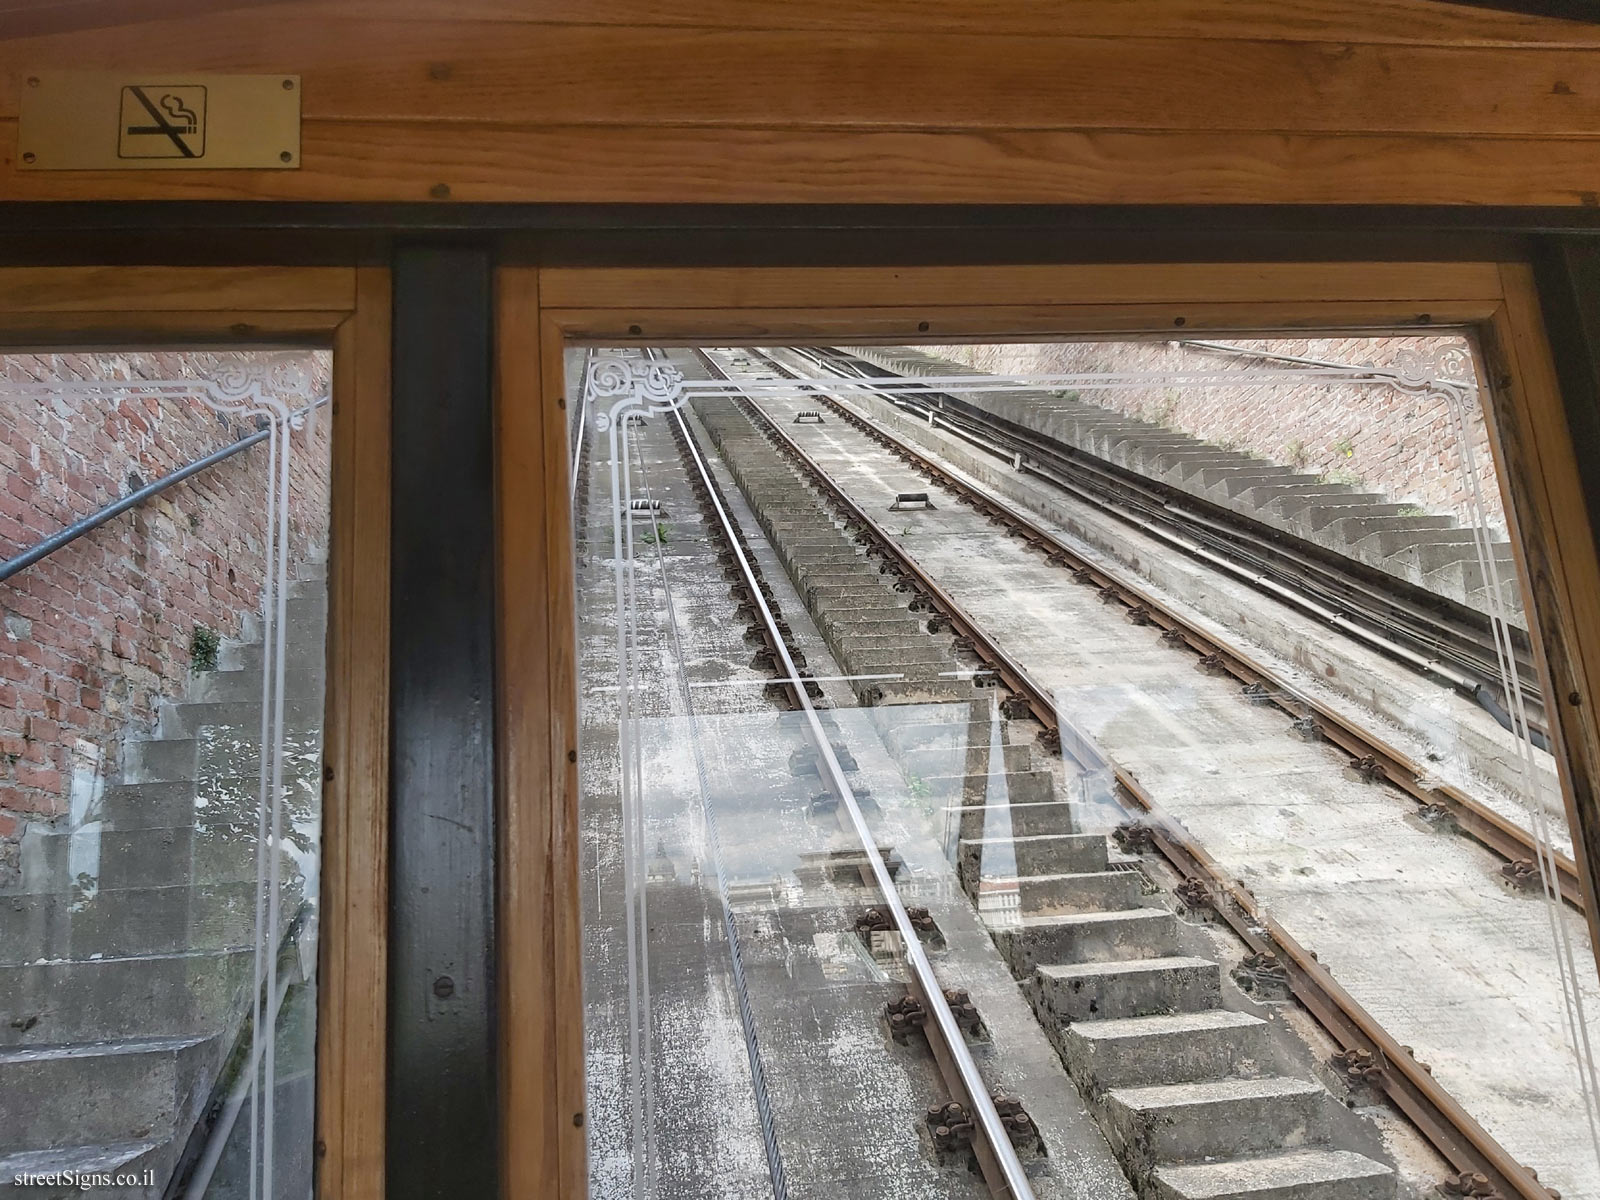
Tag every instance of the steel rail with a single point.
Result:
(997, 1157)
(1448, 1127)
(1377, 756)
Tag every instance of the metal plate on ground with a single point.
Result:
(158, 120)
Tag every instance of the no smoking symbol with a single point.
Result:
(162, 122)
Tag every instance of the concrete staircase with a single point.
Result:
(126, 962)
(1430, 550)
(1185, 1089)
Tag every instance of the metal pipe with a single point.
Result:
(133, 499)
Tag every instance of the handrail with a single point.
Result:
(78, 528)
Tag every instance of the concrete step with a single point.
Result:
(179, 855)
(304, 648)
(175, 995)
(1136, 1052)
(1351, 530)
(1320, 516)
(1139, 987)
(1040, 854)
(888, 692)
(1417, 563)
(115, 1158)
(298, 683)
(1134, 933)
(923, 732)
(1227, 482)
(973, 820)
(1224, 1118)
(305, 620)
(160, 760)
(1297, 1175)
(881, 617)
(1012, 787)
(1386, 542)
(213, 797)
(187, 718)
(820, 595)
(914, 659)
(126, 922)
(215, 754)
(117, 1092)
(1285, 497)
(1288, 504)
(140, 805)
(953, 757)
(1467, 577)
(1096, 891)
(876, 620)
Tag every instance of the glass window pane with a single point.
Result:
(1099, 768)
(161, 709)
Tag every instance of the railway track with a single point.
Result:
(866, 594)
(1370, 752)
(1408, 1084)
(1438, 637)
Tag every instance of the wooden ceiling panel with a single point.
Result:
(30, 18)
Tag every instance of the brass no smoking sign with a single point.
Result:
(163, 122)
(88, 121)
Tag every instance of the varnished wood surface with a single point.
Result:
(404, 161)
(972, 287)
(892, 101)
(955, 323)
(351, 1031)
(163, 292)
(1367, 21)
(455, 71)
(1556, 559)
(535, 736)
(542, 1077)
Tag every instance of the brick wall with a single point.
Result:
(94, 636)
(1380, 438)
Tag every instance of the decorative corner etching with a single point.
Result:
(1446, 370)
(635, 384)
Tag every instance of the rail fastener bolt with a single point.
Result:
(964, 1010)
(1134, 837)
(904, 1015)
(1194, 893)
(1367, 769)
(1470, 1183)
(1360, 1067)
(1522, 873)
(1263, 975)
(951, 1126)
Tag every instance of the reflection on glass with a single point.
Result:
(164, 530)
(1185, 693)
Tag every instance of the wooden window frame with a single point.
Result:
(345, 309)
(541, 311)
